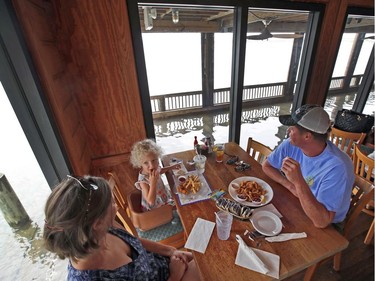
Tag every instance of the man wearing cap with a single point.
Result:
(312, 167)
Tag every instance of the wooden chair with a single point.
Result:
(370, 233)
(364, 167)
(346, 140)
(257, 150)
(121, 213)
(131, 203)
(146, 222)
(362, 193)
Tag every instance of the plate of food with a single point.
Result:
(233, 207)
(266, 223)
(250, 191)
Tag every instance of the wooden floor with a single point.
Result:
(357, 261)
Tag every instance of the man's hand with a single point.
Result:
(292, 170)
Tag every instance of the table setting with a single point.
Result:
(269, 234)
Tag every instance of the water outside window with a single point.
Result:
(23, 257)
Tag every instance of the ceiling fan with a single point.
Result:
(266, 34)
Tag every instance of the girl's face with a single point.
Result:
(150, 162)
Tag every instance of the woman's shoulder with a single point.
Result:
(123, 271)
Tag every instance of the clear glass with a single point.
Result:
(223, 224)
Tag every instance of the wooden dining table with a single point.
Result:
(218, 261)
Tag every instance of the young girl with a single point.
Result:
(145, 155)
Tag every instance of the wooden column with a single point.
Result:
(207, 42)
(10, 205)
(356, 50)
(293, 66)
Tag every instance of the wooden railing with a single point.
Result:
(190, 100)
(197, 122)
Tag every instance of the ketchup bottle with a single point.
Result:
(195, 142)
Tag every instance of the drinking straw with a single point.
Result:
(218, 218)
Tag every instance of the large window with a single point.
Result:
(188, 57)
(228, 72)
(273, 53)
(356, 46)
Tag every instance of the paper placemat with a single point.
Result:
(200, 235)
(178, 172)
(203, 194)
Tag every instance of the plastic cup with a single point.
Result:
(223, 225)
(219, 152)
(200, 163)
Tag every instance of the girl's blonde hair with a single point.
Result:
(141, 148)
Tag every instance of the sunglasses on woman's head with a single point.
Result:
(85, 184)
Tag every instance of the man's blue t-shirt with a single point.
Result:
(329, 175)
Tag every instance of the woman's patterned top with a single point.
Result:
(145, 266)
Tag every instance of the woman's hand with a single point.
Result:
(177, 268)
(185, 256)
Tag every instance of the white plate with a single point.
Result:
(266, 223)
(268, 196)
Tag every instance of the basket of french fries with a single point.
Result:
(189, 184)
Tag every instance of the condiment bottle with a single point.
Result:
(209, 145)
(195, 142)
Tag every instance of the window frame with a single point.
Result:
(239, 48)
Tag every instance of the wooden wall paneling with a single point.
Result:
(325, 56)
(328, 46)
(101, 49)
(119, 164)
(360, 3)
(36, 21)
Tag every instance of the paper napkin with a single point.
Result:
(286, 236)
(257, 260)
(200, 235)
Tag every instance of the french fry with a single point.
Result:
(191, 185)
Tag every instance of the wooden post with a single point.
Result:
(293, 67)
(10, 205)
(207, 41)
(352, 61)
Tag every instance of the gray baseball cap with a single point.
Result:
(309, 116)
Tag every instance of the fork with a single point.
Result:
(254, 235)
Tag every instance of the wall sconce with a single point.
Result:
(175, 16)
